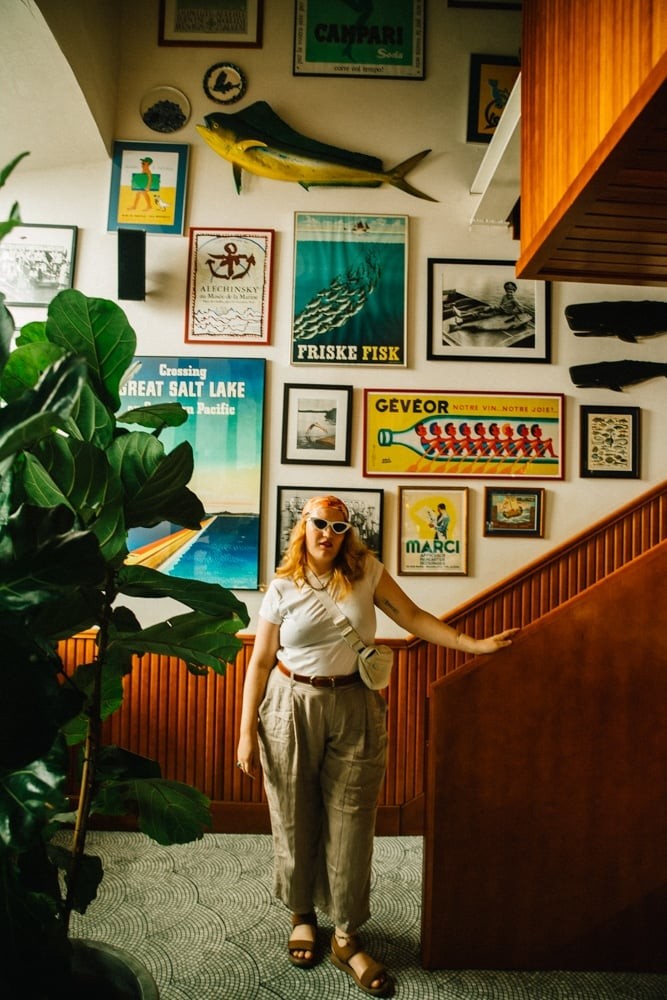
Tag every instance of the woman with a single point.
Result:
(320, 733)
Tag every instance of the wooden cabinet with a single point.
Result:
(594, 141)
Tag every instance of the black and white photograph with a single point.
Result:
(480, 311)
(36, 262)
(365, 507)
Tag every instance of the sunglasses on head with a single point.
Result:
(338, 527)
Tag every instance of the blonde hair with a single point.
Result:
(350, 561)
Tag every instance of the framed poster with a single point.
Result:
(229, 286)
(350, 289)
(609, 442)
(491, 82)
(365, 507)
(317, 424)
(478, 310)
(148, 187)
(436, 433)
(211, 24)
(224, 399)
(514, 511)
(36, 262)
(432, 531)
(374, 41)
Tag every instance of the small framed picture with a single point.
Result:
(148, 187)
(432, 531)
(609, 446)
(229, 286)
(212, 24)
(365, 507)
(478, 310)
(491, 82)
(317, 424)
(514, 511)
(36, 262)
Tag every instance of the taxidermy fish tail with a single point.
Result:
(396, 176)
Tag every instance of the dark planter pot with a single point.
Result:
(105, 972)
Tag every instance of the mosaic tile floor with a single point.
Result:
(203, 919)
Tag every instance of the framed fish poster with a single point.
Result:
(229, 286)
(432, 531)
(609, 442)
(224, 399)
(474, 434)
(148, 187)
(350, 289)
(478, 310)
(359, 40)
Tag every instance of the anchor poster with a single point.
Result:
(464, 434)
(350, 289)
(224, 399)
(229, 286)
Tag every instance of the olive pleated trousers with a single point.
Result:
(324, 754)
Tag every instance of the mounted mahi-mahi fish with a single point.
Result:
(257, 140)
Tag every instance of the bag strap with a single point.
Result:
(344, 626)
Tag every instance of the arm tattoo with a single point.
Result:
(390, 607)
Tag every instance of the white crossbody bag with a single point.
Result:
(374, 663)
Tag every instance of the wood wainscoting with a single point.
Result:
(190, 724)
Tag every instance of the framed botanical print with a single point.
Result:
(609, 442)
(432, 531)
(317, 424)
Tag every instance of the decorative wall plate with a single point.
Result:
(225, 83)
(165, 109)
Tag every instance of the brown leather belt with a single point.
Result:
(319, 682)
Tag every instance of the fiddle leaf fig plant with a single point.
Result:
(76, 475)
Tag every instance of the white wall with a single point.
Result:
(392, 120)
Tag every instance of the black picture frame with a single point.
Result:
(366, 507)
(491, 80)
(317, 424)
(36, 262)
(474, 316)
(609, 441)
(514, 511)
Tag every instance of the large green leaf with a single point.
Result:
(57, 559)
(25, 367)
(40, 410)
(209, 598)
(77, 473)
(99, 330)
(30, 796)
(200, 640)
(6, 332)
(157, 416)
(169, 812)
(155, 482)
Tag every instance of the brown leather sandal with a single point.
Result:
(300, 944)
(341, 955)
